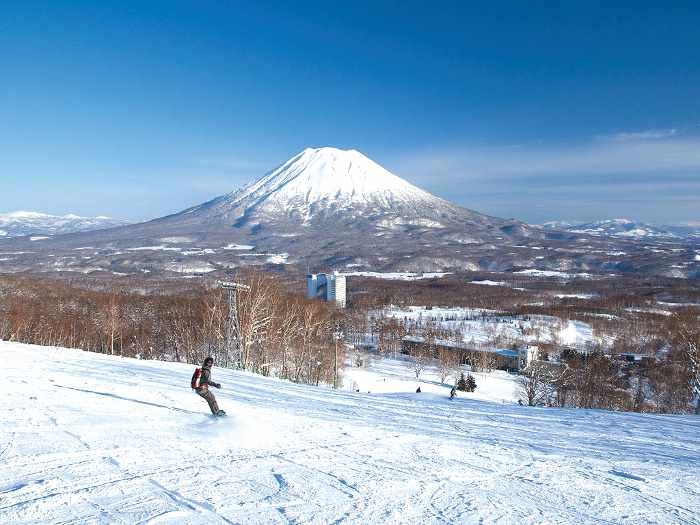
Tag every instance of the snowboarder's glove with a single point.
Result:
(218, 385)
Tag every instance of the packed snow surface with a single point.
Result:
(234, 246)
(278, 258)
(160, 247)
(393, 375)
(553, 273)
(488, 282)
(575, 295)
(87, 438)
(175, 240)
(398, 276)
(202, 267)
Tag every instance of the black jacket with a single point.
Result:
(206, 378)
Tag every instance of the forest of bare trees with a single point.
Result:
(281, 334)
(287, 336)
(666, 382)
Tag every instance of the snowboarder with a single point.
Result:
(453, 393)
(418, 390)
(203, 389)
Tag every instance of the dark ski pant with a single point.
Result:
(206, 394)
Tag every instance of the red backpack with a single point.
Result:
(196, 378)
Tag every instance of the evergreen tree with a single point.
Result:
(462, 383)
(470, 383)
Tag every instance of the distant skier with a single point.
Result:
(453, 393)
(201, 381)
(418, 390)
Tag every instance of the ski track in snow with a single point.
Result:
(88, 438)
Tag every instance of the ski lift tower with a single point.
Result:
(233, 326)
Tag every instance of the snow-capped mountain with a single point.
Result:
(327, 208)
(18, 223)
(689, 231)
(330, 177)
(339, 207)
(559, 225)
(324, 183)
(620, 228)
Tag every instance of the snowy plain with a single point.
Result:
(397, 376)
(397, 276)
(478, 325)
(88, 438)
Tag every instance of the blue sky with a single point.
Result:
(526, 110)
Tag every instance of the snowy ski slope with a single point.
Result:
(87, 438)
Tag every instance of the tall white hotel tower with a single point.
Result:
(326, 286)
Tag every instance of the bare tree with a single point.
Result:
(421, 357)
(689, 339)
(448, 363)
(255, 312)
(535, 385)
(692, 350)
(290, 327)
(425, 351)
(112, 321)
(391, 333)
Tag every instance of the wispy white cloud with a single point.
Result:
(632, 136)
(652, 151)
(653, 174)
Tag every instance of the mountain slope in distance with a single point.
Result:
(625, 229)
(20, 223)
(327, 208)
